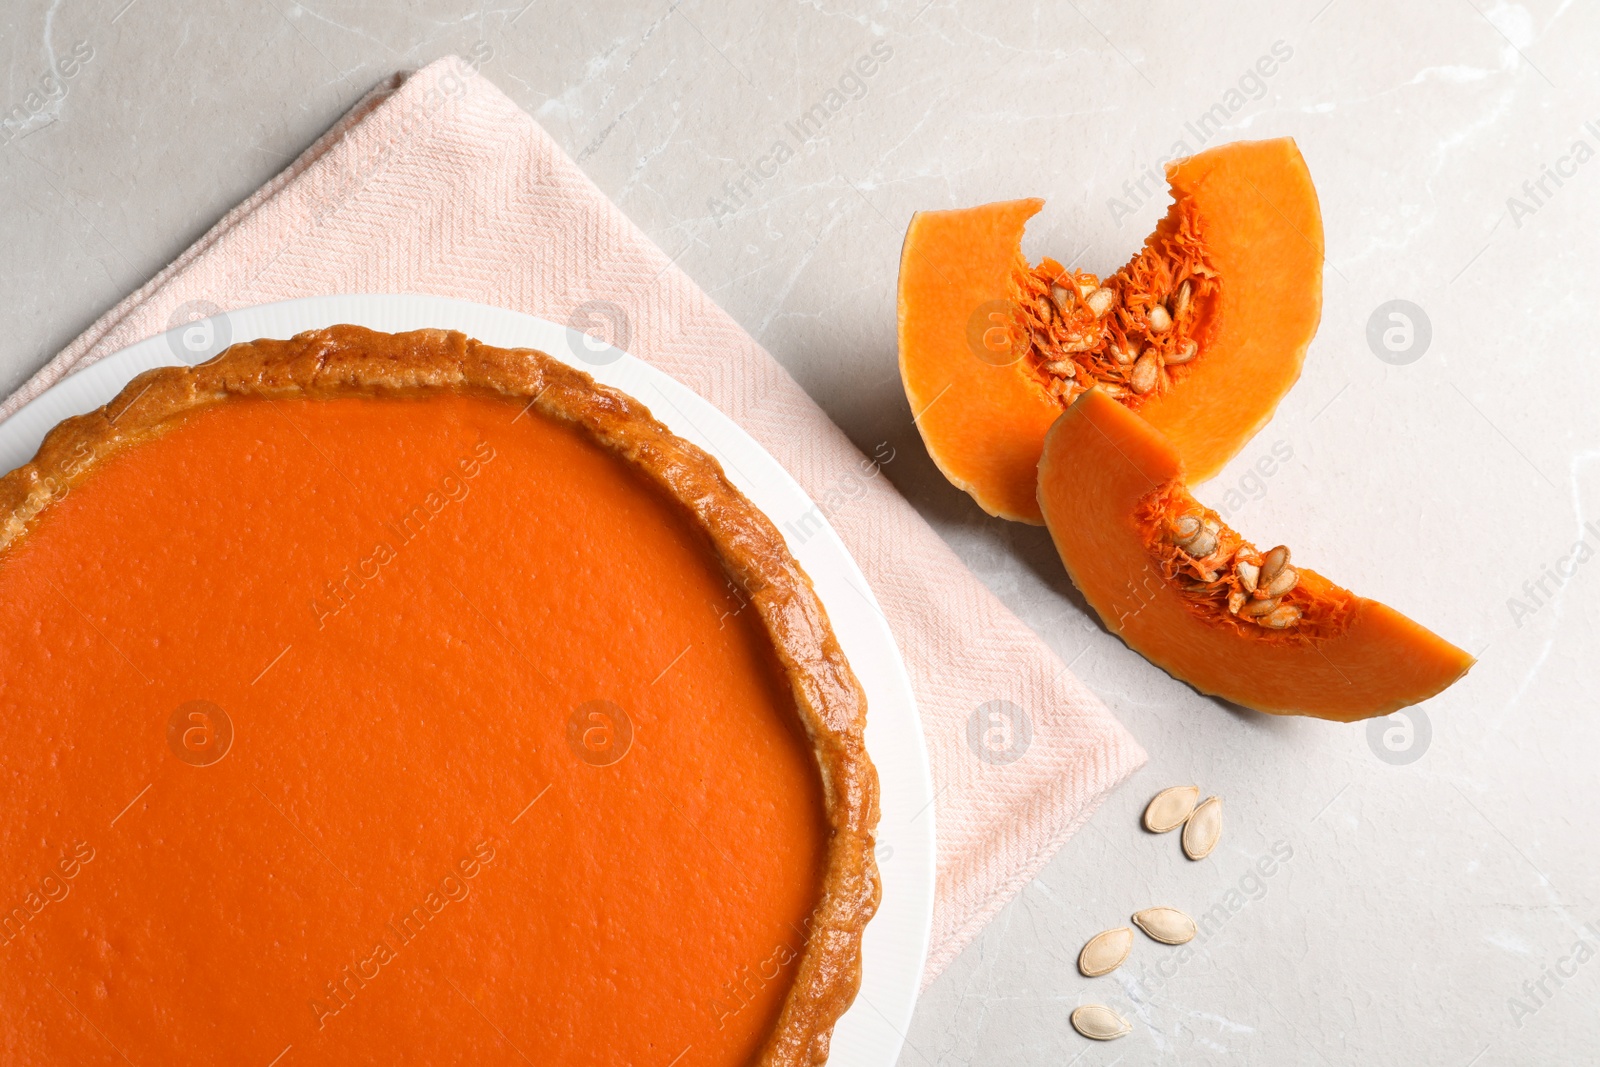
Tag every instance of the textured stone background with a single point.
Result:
(1412, 906)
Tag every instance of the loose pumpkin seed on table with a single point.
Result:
(1100, 1023)
(1105, 951)
(1170, 808)
(1166, 925)
(1203, 830)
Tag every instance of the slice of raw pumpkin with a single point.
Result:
(1202, 332)
(1189, 594)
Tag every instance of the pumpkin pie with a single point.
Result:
(388, 699)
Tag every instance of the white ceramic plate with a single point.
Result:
(872, 1031)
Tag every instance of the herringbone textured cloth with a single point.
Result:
(437, 183)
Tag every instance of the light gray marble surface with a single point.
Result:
(1422, 912)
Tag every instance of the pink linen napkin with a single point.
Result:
(437, 183)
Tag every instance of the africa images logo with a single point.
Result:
(999, 732)
(399, 932)
(1250, 86)
(42, 100)
(852, 85)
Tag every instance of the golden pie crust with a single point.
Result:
(345, 361)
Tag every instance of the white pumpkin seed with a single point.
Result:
(1062, 297)
(1185, 352)
(1160, 320)
(1146, 373)
(1101, 301)
(1105, 951)
(1281, 617)
(1285, 580)
(1170, 808)
(1166, 925)
(1273, 562)
(1099, 1022)
(1203, 830)
(1249, 574)
(1261, 607)
(1203, 543)
(1180, 302)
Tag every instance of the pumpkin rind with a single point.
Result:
(1100, 462)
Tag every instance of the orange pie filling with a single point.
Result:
(389, 730)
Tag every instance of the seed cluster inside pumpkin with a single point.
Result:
(1128, 335)
(1227, 579)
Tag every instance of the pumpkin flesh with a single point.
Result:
(1202, 332)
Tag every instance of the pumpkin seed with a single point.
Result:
(1046, 309)
(1205, 542)
(1086, 285)
(1285, 580)
(1180, 302)
(1273, 562)
(1166, 925)
(1146, 373)
(1236, 600)
(1061, 296)
(1105, 951)
(1184, 354)
(1170, 808)
(1125, 356)
(1101, 301)
(1261, 607)
(1282, 617)
(1203, 830)
(1249, 574)
(1159, 318)
(1184, 527)
(1064, 367)
(1099, 1022)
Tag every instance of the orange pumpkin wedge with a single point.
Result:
(1202, 332)
(1189, 594)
